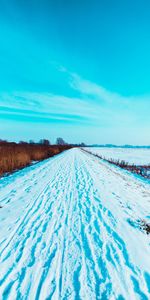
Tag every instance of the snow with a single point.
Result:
(137, 156)
(69, 230)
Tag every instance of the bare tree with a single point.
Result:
(31, 142)
(44, 142)
(60, 141)
(82, 144)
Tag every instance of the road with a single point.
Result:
(70, 230)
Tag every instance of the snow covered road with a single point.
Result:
(69, 230)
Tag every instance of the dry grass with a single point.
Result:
(16, 156)
(145, 226)
(143, 170)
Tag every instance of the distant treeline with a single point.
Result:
(14, 156)
(46, 142)
(117, 146)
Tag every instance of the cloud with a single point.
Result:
(89, 88)
(121, 109)
(42, 106)
(86, 87)
(93, 106)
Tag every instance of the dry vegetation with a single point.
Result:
(16, 156)
(144, 170)
(145, 226)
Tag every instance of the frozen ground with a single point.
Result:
(69, 230)
(137, 156)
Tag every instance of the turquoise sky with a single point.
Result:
(76, 69)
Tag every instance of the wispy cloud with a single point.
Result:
(46, 106)
(119, 108)
(94, 106)
(86, 87)
(92, 89)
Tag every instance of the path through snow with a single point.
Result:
(69, 230)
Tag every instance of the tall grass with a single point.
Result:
(143, 170)
(16, 156)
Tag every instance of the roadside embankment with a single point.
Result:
(143, 170)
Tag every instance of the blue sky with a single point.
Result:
(76, 69)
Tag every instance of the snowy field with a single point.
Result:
(70, 230)
(137, 156)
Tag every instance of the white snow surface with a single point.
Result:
(69, 230)
(137, 156)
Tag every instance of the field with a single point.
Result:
(137, 156)
(74, 227)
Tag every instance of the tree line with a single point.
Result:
(59, 141)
